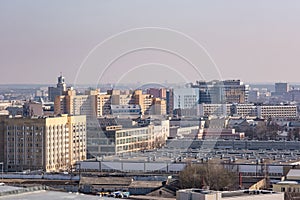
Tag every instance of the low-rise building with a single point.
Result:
(111, 138)
(290, 183)
(266, 111)
(196, 194)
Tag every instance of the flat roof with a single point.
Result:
(50, 195)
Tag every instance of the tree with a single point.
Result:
(213, 175)
(261, 130)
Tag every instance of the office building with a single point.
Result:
(219, 92)
(253, 96)
(59, 90)
(110, 138)
(281, 88)
(244, 110)
(248, 110)
(126, 111)
(170, 101)
(186, 101)
(284, 111)
(214, 109)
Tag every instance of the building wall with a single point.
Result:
(73, 104)
(77, 138)
(286, 187)
(214, 109)
(197, 194)
(104, 102)
(58, 90)
(159, 107)
(169, 101)
(56, 143)
(130, 140)
(277, 111)
(141, 138)
(41, 143)
(281, 88)
(228, 91)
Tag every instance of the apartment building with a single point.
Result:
(43, 143)
(73, 104)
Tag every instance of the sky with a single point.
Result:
(149, 41)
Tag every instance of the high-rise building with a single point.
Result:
(43, 143)
(73, 104)
(144, 100)
(170, 101)
(59, 90)
(186, 101)
(103, 104)
(235, 91)
(219, 92)
(158, 107)
(281, 88)
(157, 92)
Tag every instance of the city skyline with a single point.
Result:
(252, 41)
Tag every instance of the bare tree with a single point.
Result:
(210, 174)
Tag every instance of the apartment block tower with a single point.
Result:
(43, 143)
(73, 104)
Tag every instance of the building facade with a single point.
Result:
(59, 90)
(74, 104)
(114, 139)
(44, 143)
(219, 92)
(267, 111)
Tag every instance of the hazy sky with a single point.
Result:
(149, 41)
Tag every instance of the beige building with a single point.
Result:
(72, 104)
(95, 104)
(47, 143)
(290, 184)
(159, 107)
(266, 111)
(144, 100)
(104, 104)
(120, 97)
